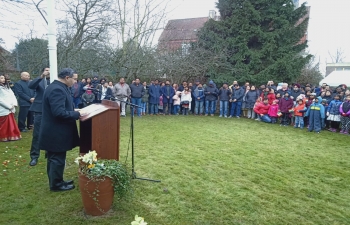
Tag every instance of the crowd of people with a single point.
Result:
(302, 106)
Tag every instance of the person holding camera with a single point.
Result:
(39, 85)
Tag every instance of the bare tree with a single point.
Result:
(338, 57)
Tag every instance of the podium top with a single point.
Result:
(95, 109)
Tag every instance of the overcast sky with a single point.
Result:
(329, 26)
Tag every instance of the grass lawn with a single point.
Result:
(212, 171)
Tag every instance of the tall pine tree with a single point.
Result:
(260, 39)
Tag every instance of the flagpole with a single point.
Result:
(52, 46)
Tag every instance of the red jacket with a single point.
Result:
(270, 97)
(261, 108)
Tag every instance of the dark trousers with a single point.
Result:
(167, 108)
(23, 116)
(35, 150)
(55, 168)
(285, 118)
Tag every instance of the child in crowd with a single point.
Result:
(315, 113)
(251, 96)
(333, 113)
(325, 122)
(244, 103)
(273, 111)
(345, 115)
(285, 105)
(299, 110)
(186, 101)
(278, 96)
(160, 106)
(176, 102)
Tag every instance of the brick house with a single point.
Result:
(179, 33)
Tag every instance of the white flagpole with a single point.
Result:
(52, 39)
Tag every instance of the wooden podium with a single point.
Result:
(100, 130)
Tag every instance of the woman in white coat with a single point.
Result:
(8, 128)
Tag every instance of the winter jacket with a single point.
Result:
(295, 94)
(299, 109)
(198, 93)
(316, 107)
(270, 96)
(211, 93)
(334, 107)
(137, 91)
(282, 92)
(154, 93)
(146, 95)
(165, 94)
(345, 108)
(285, 104)
(251, 98)
(24, 93)
(186, 97)
(7, 101)
(261, 108)
(224, 94)
(273, 110)
(176, 98)
(237, 94)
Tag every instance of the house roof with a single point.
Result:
(182, 29)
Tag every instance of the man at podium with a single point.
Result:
(59, 133)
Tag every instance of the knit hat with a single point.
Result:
(298, 85)
(211, 82)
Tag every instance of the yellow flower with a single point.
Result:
(91, 166)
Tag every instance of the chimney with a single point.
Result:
(212, 14)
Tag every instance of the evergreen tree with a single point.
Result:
(260, 38)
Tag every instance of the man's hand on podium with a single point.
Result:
(81, 111)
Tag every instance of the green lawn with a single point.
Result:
(213, 171)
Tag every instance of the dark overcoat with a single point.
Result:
(24, 93)
(38, 84)
(58, 131)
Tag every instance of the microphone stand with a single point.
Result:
(133, 173)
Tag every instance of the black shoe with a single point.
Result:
(63, 187)
(68, 182)
(33, 162)
(24, 130)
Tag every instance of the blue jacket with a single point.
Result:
(154, 94)
(79, 91)
(198, 93)
(211, 93)
(237, 94)
(164, 92)
(38, 84)
(334, 106)
(317, 107)
(24, 93)
(224, 94)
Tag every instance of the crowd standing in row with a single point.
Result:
(301, 106)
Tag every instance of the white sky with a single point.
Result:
(329, 26)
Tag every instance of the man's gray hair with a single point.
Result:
(66, 72)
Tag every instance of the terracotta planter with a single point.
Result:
(88, 193)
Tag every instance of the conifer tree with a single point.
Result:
(261, 40)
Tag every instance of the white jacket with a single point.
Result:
(186, 97)
(7, 101)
